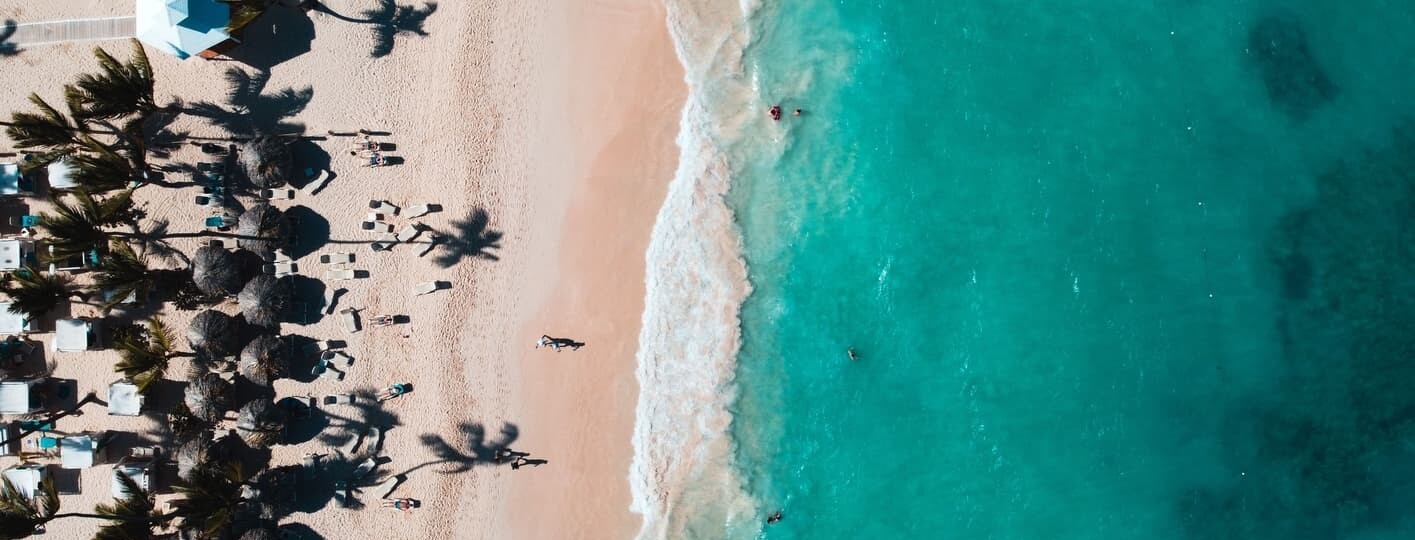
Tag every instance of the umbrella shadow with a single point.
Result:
(276, 36)
(248, 109)
(469, 238)
(311, 231)
(307, 300)
(6, 32)
(308, 157)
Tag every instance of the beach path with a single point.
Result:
(43, 33)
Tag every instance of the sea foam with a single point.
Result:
(695, 281)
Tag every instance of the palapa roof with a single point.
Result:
(208, 396)
(267, 160)
(193, 454)
(214, 332)
(216, 271)
(263, 229)
(263, 532)
(264, 300)
(261, 423)
(263, 360)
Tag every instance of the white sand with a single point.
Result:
(563, 138)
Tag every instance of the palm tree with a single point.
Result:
(261, 423)
(121, 274)
(132, 515)
(121, 89)
(145, 362)
(101, 169)
(20, 515)
(81, 225)
(211, 498)
(33, 293)
(48, 130)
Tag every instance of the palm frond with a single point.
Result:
(33, 293)
(123, 273)
(48, 129)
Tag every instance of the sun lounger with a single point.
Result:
(317, 181)
(330, 294)
(410, 232)
(316, 347)
(432, 242)
(350, 318)
(378, 226)
(389, 484)
(277, 194)
(337, 258)
(324, 371)
(373, 440)
(335, 356)
(217, 222)
(339, 399)
(383, 207)
(364, 468)
(426, 287)
(381, 245)
(280, 269)
(420, 210)
(340, 273)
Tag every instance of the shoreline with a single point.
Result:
(612, 156)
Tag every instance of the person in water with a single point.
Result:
(796, 113)
(773, 518)
(851, 353)
(775, 112)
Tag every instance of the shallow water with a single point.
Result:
(1113, 271)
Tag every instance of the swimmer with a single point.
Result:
(773, 518)
(851, 353)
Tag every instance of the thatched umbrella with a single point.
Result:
(214, 332)
(260, 423)
(263, 229)
(194, 453)
(263, 532)
(267, 160)
(208, 396)
(264, 300)
(263, 360)
(216, 271)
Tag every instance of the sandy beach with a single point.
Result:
(545, 133)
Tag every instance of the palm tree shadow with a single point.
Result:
(249, 110)
(473, 448)
(6, 31)
(470, 238)
(390, 19)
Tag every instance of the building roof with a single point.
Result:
(182, 27)
(61, 175)
(71, 335)
(9, 179)
(76, 451)
(138, 471)
(12, 323)
(124, 399)
(26, 478)
(15, 397)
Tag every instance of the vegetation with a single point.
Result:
(145, 362)
(22, 516)
(131, 516)
(211, 499)
(33, 293)
(80, 223)
(121, 274)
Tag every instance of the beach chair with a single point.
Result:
(221, 243)
(217, 222)
(383, 207)
(280, 269)
(324, 371)
(350, 318)
(335, 356)
(340, 273)
(339, 399)
(316, 347)
(373, 440)
(389, 484)
(426, 287)
(317, 181)
(381, 245)
(377, 226)
(410, 232)
(330, 294)
(432, 242)
(277, 194)
(337, 258)
(364, 468)
(202, 200)
(420, 210)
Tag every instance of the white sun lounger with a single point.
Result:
(329, 295)
(336, 356)
(339, 399)
(280, 269)
(377, 226)
(391, 483)
(410, 232)
(432, 241)
(317, 181)
(364, 468)
(417, 210)
(383, 207)
(426, 287)
(340, 273)
(277, 194)
(317, 347)
(337, 258)
(350, 318)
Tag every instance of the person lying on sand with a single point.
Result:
(393, 392)
(404, 504)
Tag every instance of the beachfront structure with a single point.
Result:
(185, 28)
(20, 396)
(12, 323)
(27, 478)
(138, 470)
(14, 253)
(61, 175)
(80, 451)
(124, 399)
(73, 335)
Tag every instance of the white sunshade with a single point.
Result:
(26, 478)
(61, 175)
(15, 397)
(124, 399)
(12, 323)
(138, 472)
(71, 335)
(76, 452)
(182, 27)
(9, 179)
(12, 254)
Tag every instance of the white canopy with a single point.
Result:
(12, 323)
(71, 335)
(15, 397)
(137, 471)
(26, 478)
(124, 399)
(61, 175)
(76, 451)
(182, 28)
(12, 253)
(9, 179)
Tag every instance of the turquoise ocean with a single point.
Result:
(1114, 270)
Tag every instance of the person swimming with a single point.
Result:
(773, 518)
(851, 353)
(775, 112)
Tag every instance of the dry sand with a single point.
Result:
(557, 121)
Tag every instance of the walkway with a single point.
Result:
(45, 33)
